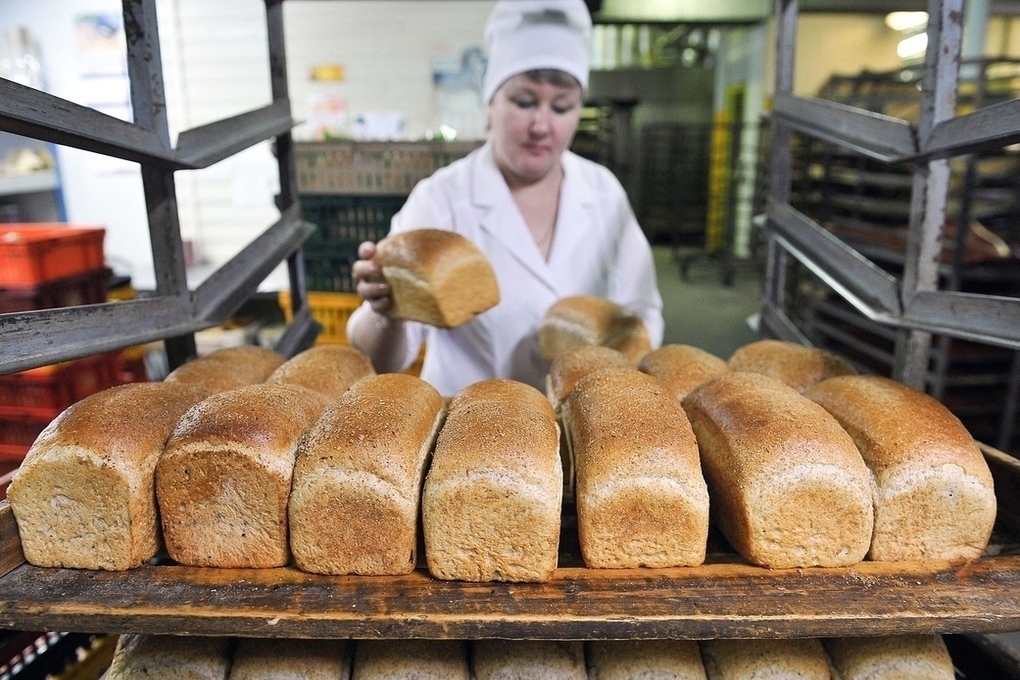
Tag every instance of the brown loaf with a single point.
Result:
(934, 495)
(224, 478)
(289, 659)
(765, 659)
(228, 368)
(492, 496)
(682, 367)
(590, 320)
(84, 496)
(411, 660)
(169, 657)
(436, 276)
(329, 369)
(357, 480)
(518, 659)
(796, 365)
(569, 367)
(641, 498)
(788, 487)
(649, 659)
(906, 657)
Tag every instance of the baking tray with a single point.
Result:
(724, 598)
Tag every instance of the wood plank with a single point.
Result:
(10, 542)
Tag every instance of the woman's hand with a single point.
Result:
(369, 281)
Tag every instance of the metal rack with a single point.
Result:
(912, 306)
(174, 313)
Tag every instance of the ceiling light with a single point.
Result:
(912, 47)
(906, 21)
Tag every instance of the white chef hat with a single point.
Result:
(523, 35)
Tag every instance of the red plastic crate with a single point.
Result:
(50, 389)
(87, 288)
(20, 427)
(31, 254)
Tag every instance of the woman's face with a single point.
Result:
(531, 125)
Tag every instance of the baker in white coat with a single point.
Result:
(551, 223)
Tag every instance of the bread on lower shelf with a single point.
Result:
(803, 659)
(492, 498)
(284, 659)
(549, 660)
(641, 497)
(933, 492)
(917, 657)
(83, 497)
(355, 496)
(224, 478)
(411, 659)
(170, 657)
(788, 486)
(651, 659)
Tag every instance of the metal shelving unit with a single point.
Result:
(174, 313)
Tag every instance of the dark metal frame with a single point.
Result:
(174, 313)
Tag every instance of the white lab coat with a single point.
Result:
(598, 249)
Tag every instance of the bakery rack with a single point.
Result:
(724, 598)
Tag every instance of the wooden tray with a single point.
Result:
(722, 599)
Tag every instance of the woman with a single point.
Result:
(551, 223)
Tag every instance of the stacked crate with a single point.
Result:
(44, 266)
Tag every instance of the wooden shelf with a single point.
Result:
(725, 598)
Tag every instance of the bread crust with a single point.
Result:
(934, 493)
(228, 368)
(683, 367)
(788, 486)
(83, 497)
(224, 478)
(290, 659)
(170, 657)
(568, 368)
(629, 659)
(510, 659)
(356, 492)
(591, 320)
(329, 369)
(411, 660)
(641, 498)
(492, 496)
(796, 365)
(436, 276)
(917, 657)
(766, 659)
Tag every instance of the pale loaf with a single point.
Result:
(796, 365)
(569, 367)
(906, 657)
(683, 367)
(286, 659)
(519, 659)
(641, 498)
(934, 494)
(436, 276)
(645, 660)
(83, 497)
(228, 368)
(492, 496)
(329, 369)
(591, 320)
(224, 478)
(788, 486)
(354, 504)
(411, 660)
(803, 659)
(170, 657)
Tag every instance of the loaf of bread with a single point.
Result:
(641, 498)
(411, 660)
(906, 657)
(83, 496)
(803, 659)
(355, 499)
(228, 368)
(796, 365)
(492, 496)
(436, 276)
(170, 657)
(933, 492)
(590, 320)
(682, 367)
(224, 478)
(788, 487)
(329, 369)
(285, 659)
(518, 659)
(571, 366)
(645, 659)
